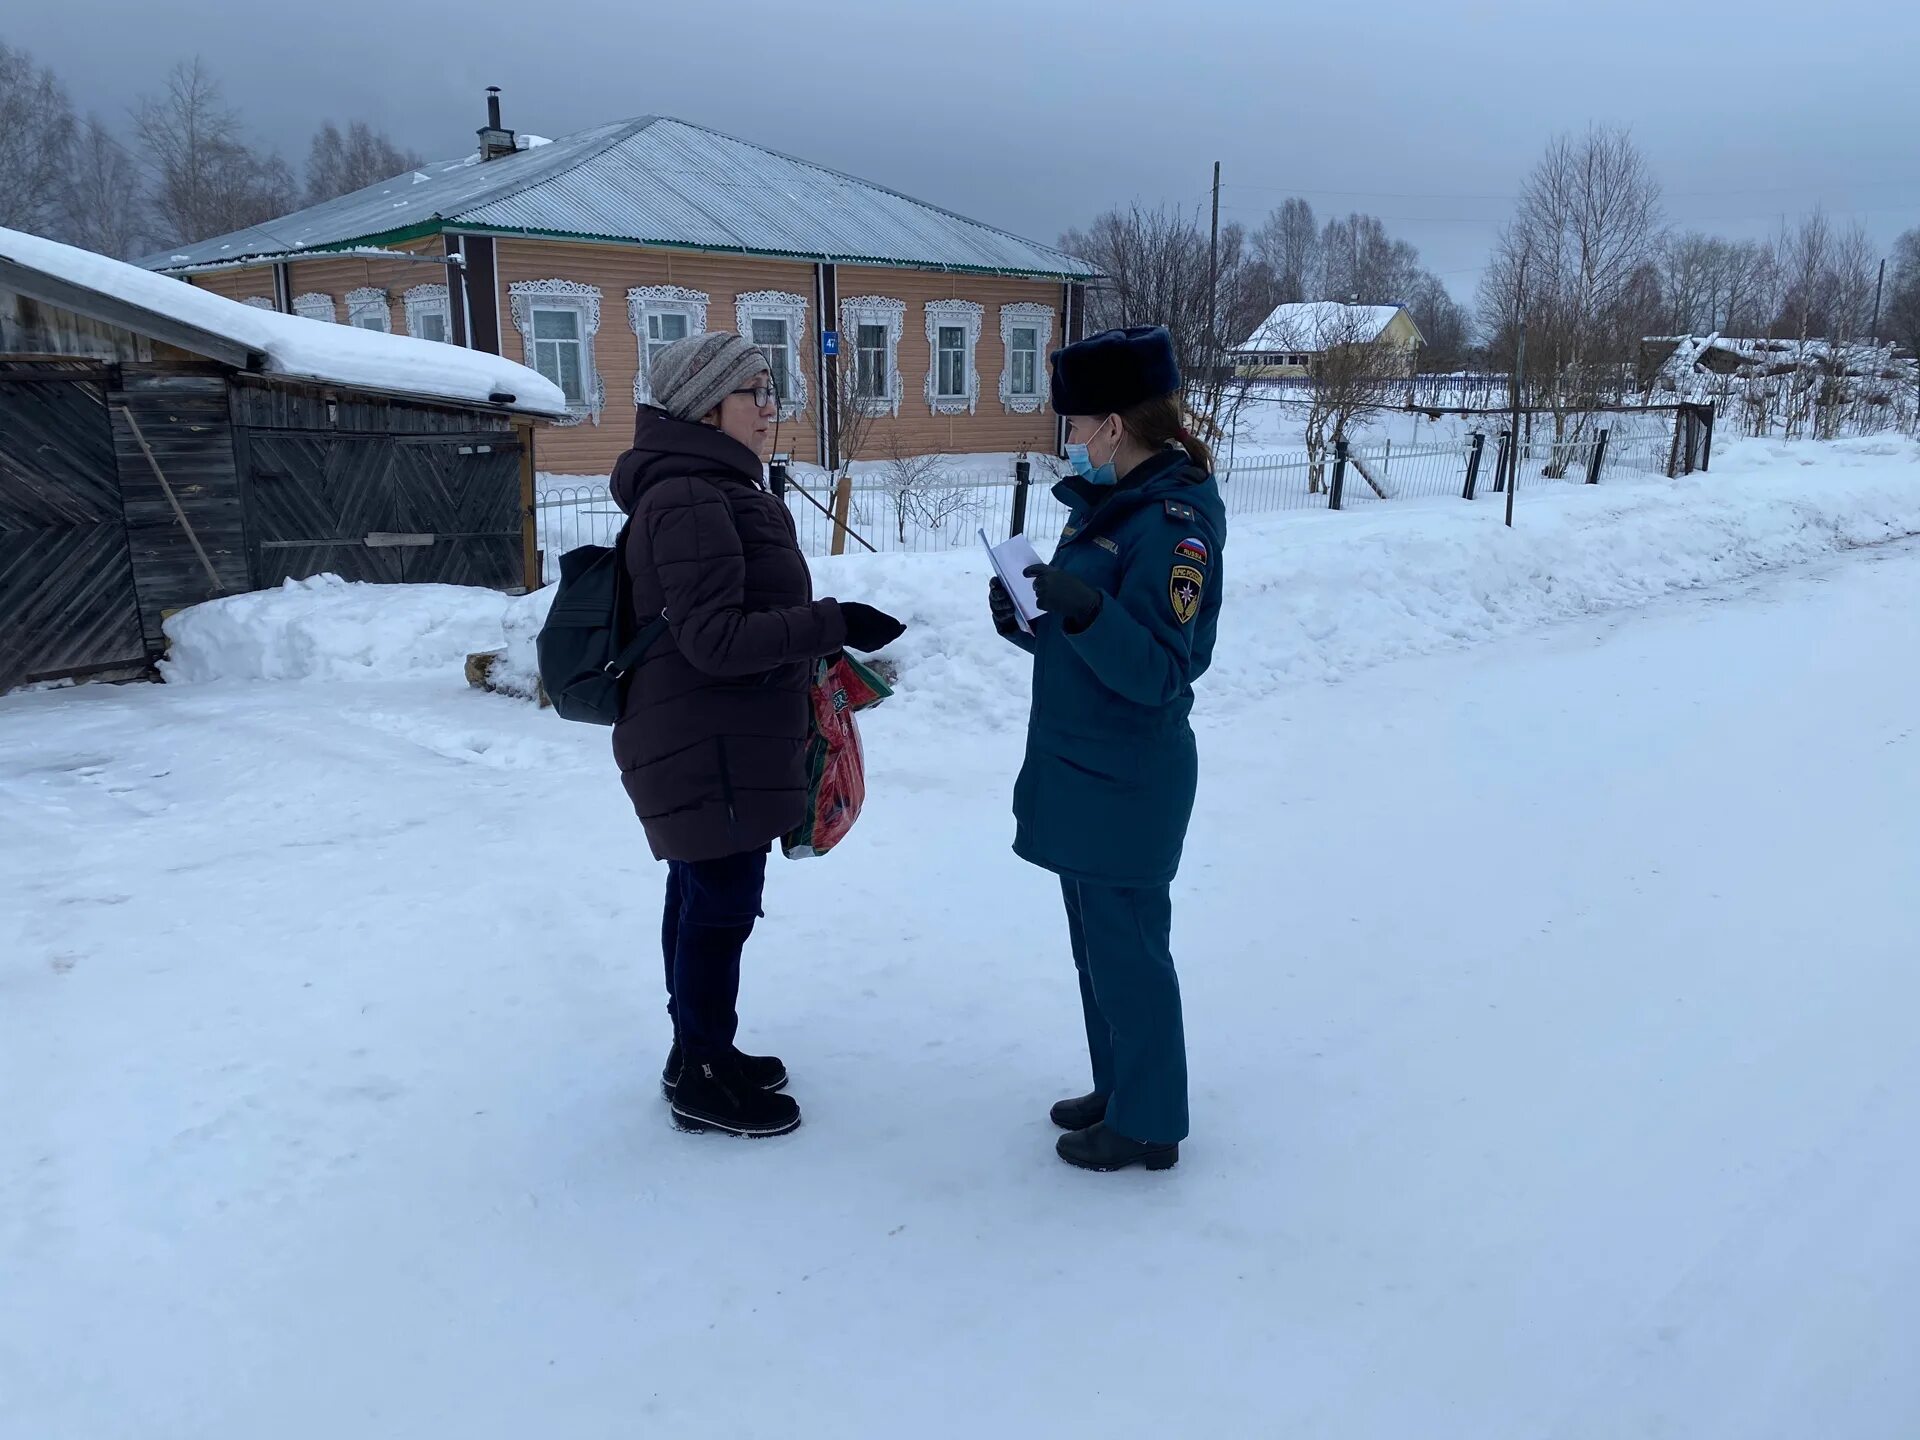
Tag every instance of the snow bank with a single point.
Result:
(328, 629)
(1311, 595)
(295, 346)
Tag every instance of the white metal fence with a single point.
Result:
(947, 509)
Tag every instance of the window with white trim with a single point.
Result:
(777, 322)
(875, 324)
(429, 312)
(660, 315)
(557, 321)
(315, 306)
(1026, 331)
(953, 336)
(367, 309)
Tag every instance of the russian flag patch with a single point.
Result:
(1191, 549)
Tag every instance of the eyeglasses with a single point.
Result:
(763, 395)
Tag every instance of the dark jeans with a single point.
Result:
(711, 907)
(1123, 949)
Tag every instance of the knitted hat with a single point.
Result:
(1114, 370)
(692, 376)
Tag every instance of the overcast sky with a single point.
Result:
(1037, 115)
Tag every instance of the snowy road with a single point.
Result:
(1553, 1005)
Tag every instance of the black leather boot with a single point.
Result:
(718, 1096)
(763, 1072)
(1101, 1148)
(1080, 1112)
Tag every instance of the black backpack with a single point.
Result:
(587, 646)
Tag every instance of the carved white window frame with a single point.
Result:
(524, 297)
(874, 310)
(369, 303)
(425, 300)
(780, 305)
(645, 300)
(969, 317)
(315, 306)
(1025, 314)
(259, 302)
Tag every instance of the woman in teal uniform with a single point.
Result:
(1132, 603)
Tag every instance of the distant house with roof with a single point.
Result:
(1293, 341)
(582, 255)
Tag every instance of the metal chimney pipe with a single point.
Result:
(493, 107)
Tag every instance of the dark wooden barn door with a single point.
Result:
(67, 603)
(385, 508)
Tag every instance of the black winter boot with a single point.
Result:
(763, 1072)
(1100, 1148)
(718, 1096)
(1079, 1113)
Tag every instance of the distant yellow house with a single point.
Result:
(1290, 343)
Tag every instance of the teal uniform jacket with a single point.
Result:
(1108, 784)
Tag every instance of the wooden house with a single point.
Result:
(1292, 342)
(161, 446)
(582, 256)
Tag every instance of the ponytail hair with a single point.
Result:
(1162, 421)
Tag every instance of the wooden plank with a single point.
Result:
(186, 422)
(109, 310)
(67, 604)
(529, 513)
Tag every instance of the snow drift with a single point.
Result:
(1311, 596)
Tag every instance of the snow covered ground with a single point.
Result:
(1551, 1006)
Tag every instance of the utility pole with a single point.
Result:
(1519, 378)
(1213, 279)
(1879, 286)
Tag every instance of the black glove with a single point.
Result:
(869, 629)
(1068, 596)
(1006, 619)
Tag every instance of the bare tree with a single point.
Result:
(1900, 321)
(1352, 376)
(924, 496)
(1288, 244)
(1444, 323)
(339, 163)
(36, 136)
(1361, 264)
(102, 203)
(206, 179)
(1156, 264)
(859, 400)
(1577, 261)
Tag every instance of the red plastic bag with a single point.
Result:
(836, 770)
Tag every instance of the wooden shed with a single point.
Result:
(160, 446)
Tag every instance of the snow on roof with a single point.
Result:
(652, 181)
(1313, 324)
(290, 345)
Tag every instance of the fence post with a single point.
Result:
(1022, 478)
(1473, 463)
(1386, 465)
(1503, 466)
(842, 505)
(1595, 460)
(1673, 451)
(777, 475)
(1339, 475)
(1706, 451)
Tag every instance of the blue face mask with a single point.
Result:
(1084, 467)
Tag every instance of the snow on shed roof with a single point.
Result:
(1311, 324)
(251, 338)
(655, 181)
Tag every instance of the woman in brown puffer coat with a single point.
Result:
(712, 738)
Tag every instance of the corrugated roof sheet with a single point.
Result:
(654, 181)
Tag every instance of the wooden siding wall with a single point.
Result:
(183, 418)
(340, 277)
(992, 427)
(33, 327)
(590, 449)
(276, 405)
(253, 283)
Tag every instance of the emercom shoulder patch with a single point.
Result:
(1183, 589)
(1192, 549)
